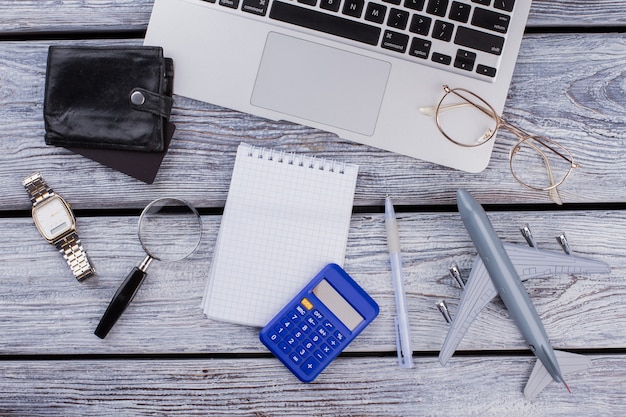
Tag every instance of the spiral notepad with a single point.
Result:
(286, 217)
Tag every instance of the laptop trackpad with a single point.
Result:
(320, 83)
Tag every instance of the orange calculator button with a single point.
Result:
(307, 304)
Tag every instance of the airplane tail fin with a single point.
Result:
(540, 377)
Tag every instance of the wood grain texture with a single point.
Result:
(164, 357)
(40, 300)
(373, 386)
(580, 103)
(62, 17)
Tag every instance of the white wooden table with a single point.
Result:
(165, 358)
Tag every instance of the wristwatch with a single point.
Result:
(55, 221)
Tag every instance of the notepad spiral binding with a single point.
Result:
(292, 158)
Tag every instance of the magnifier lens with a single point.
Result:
(169, 229)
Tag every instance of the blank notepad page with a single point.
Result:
(285, 218)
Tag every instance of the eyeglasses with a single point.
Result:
(467, 120)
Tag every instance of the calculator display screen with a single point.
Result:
(337, 305)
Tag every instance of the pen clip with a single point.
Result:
(404, 361)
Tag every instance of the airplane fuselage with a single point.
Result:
(507, 281)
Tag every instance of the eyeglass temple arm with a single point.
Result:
(431, 111)
(522, 134)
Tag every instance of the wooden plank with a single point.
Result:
(43, 310)
(369, 386)
(580, 102)
(32, 17)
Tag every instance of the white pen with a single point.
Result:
(403, 332)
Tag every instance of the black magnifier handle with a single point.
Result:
(122, 298)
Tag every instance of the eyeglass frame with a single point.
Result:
(517, 131)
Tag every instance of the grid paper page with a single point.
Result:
(286, 217)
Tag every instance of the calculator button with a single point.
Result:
(310, 365)
(322, 332)
(340, 337)
(315, 338)
(286, 323)
(273, 336)
(311, 321)
(333, 342)
(307, 304)
(308, 344)
(318, 315)
(319, 355)
(295, 358)
(294, 316)
(284, 347)
(326, 349)
(302, 351)
(280, 330)
(291, 341)
(328, 325)
(300, 310)
(305, 328)
(298, 334)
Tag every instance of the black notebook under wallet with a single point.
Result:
(111, 104)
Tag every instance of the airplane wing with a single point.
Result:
(532, 262)
(540, 377)
(479, 291)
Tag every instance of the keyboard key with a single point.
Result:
(375, 12)
(481, 41)
(487, 19)
(353, 8)
(398, 19)
(483, 2)
(258, 7)
(443, 31)
(437, 7)
(414, 4)
(332, 5)
(308, 2)
(420, 48)
(459, 12)
(395, 41)
(465, 60)
(441, 58)
(506, 5)
(333, 25)
(420, 24)
(486, 71)
(396, 2)
(233, 4)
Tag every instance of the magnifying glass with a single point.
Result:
(169, 230)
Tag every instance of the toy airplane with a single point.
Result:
(500, 268)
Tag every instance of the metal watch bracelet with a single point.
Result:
(69, 245)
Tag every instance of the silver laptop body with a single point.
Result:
(358, 68)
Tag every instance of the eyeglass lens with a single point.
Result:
(536, 164)
(466, 119)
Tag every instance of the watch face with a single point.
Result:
(53, 218)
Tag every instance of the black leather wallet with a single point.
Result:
(108, 97)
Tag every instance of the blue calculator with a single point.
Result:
(318, 324)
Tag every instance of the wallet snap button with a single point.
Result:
(137, 98)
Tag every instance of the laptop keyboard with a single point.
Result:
(462, 36)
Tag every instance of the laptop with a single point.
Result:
(361, 69)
